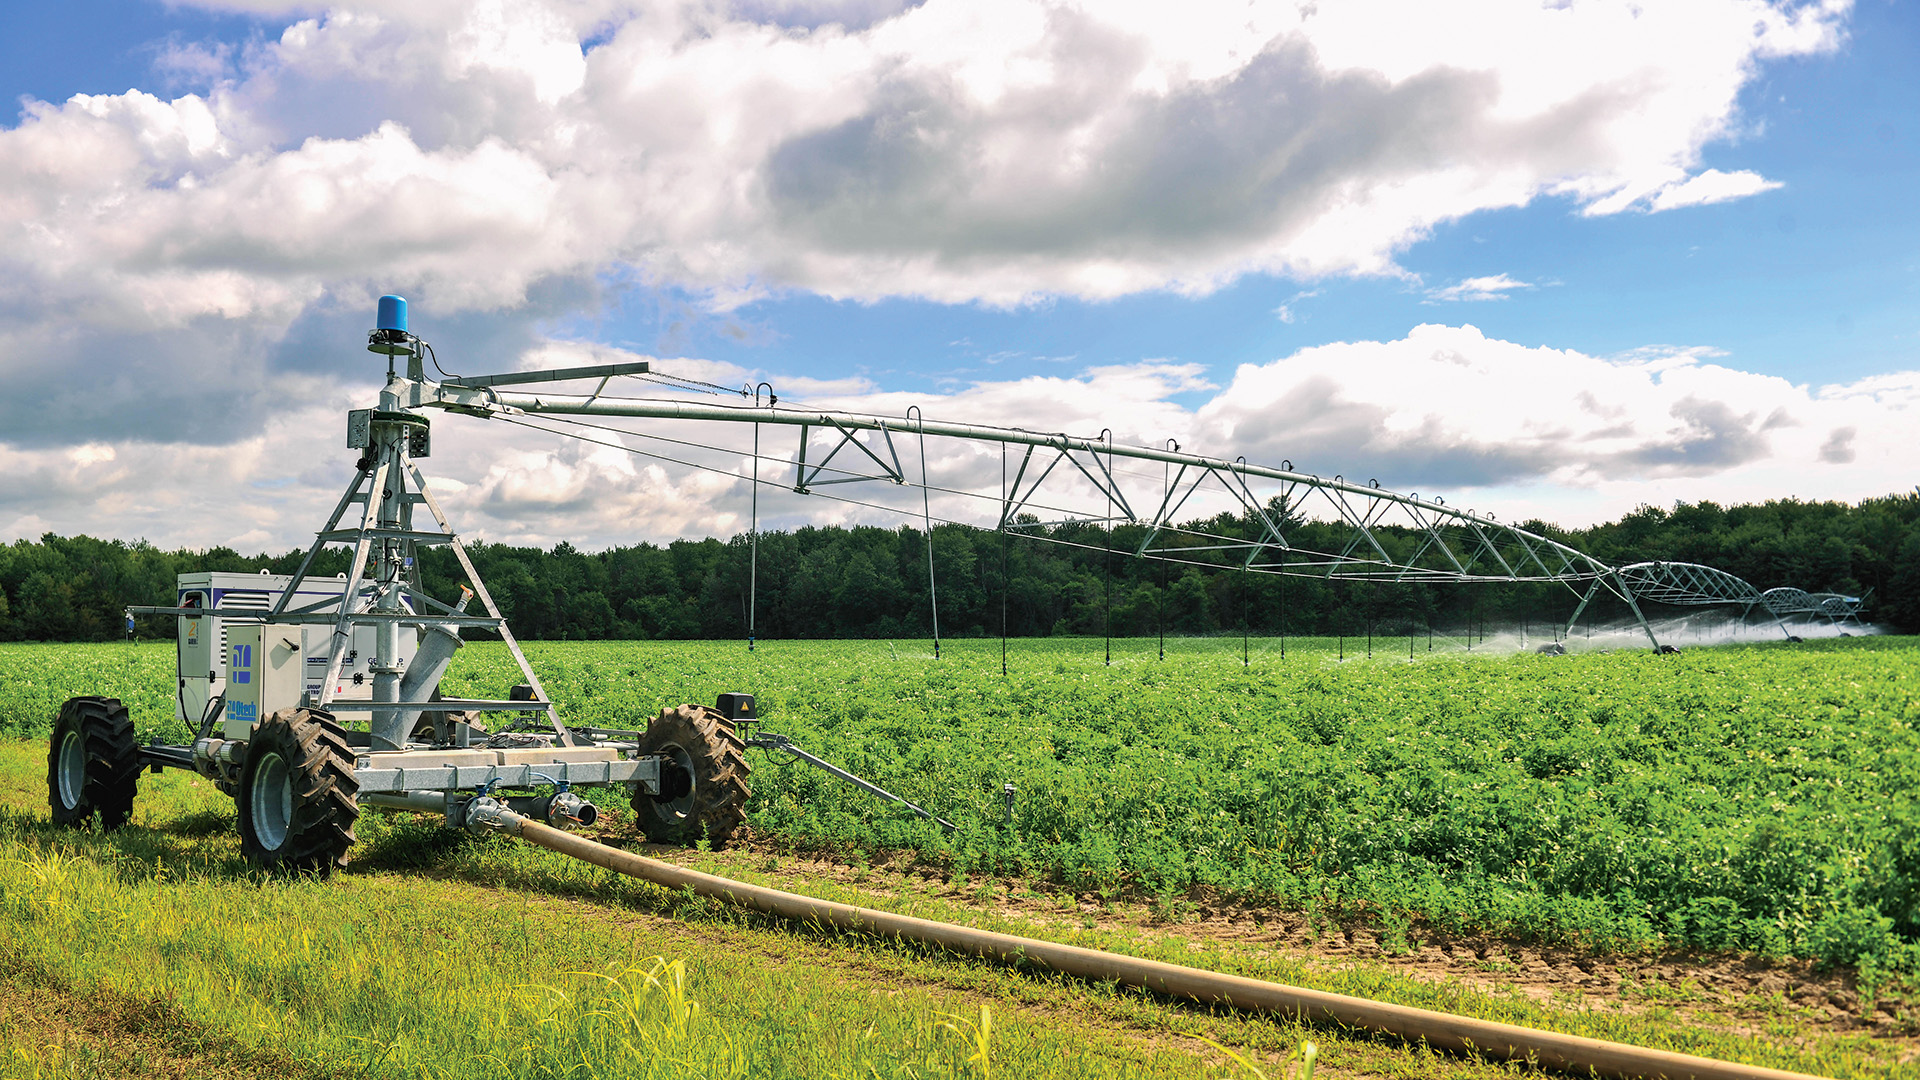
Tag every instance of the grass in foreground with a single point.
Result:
(441, 971)
(440, 955)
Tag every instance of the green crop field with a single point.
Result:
(1758, 799)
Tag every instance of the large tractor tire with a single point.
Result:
(298, 798)
(93, 763)
(703, 778)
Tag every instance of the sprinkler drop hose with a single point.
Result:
(1442, 1031)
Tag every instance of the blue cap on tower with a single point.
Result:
(393, 314)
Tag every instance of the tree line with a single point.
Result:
(867, 582)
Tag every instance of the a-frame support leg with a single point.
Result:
(1637, 613)
(1584, 601)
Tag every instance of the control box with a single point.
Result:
(266, 672)
(205, 642)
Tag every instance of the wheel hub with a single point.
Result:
(73, 769)
(272, 802)
(676, 781)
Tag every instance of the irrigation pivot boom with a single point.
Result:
(1454, 544)
(1694, 585)
(322, 695)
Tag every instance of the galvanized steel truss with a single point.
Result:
(384, 576)
(1694, 585)
(1278, 520)
(1058, 479)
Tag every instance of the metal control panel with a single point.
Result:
(265, 673)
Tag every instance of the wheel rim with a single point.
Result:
(272, 802)
(72, 771)
(682, 806)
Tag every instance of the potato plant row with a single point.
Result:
(1756, 798)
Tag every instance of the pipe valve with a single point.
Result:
(562, 810)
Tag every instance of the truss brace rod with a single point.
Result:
(894, 472)
(1106, 487)
(1160, 516)
(350, 598)
(300, 575)
(455, 397)
(780, 742)
(1199, 478)
(1252, 503)
(1591, 589)
(1635, 605)
(486, 600)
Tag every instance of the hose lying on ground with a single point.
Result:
(1444, 1031)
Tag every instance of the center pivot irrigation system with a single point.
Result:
(287, 660)
(1693, 585)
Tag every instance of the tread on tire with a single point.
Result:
(93, 763)
(703, 777)
(299, 797)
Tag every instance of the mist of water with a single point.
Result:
(1692, 630)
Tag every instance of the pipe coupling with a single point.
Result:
(570, 811)
(563, 810)
(485, 814)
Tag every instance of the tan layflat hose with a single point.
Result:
(1566, 1053)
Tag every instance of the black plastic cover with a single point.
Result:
(736, 707)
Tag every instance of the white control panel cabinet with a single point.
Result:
(207, 647)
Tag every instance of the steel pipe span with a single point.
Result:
(1458, 1034)
(678, 410)
(1570, 564)
(1689, 584)
(1692, 584)
(1391, 536)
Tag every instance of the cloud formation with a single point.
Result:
(1576, 437)
(207, 258)
(1480, 288)
(1519, 430)
(993, 150)
(1711, 186)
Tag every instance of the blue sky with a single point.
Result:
(1015, 211)
(1818, 281)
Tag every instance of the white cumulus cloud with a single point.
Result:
(991, 150)
(206, 259)
(1570, 436)
(1711, 186)
(1480, 288)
